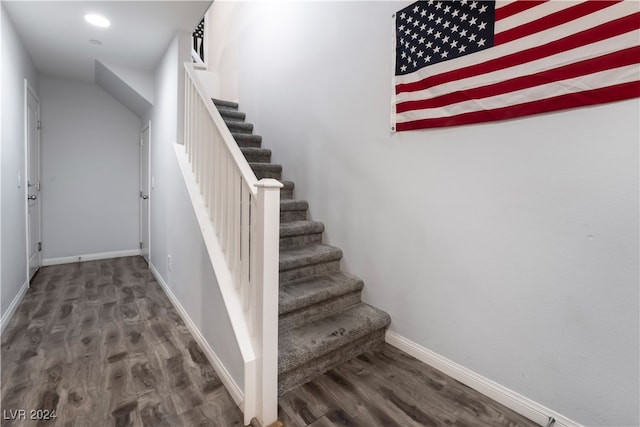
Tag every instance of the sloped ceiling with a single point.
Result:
(122, 89)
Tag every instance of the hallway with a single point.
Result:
(100, 343)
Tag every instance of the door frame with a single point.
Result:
(147, 127)
(28, 90)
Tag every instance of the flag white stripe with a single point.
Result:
(594, 50)
(529, 15)
(503, 3)
(597, 80)
(518, 45)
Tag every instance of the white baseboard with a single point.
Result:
(6, 317)
(90, 257)
(509, 398)
(232, 387)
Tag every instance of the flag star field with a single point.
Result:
(429, 32)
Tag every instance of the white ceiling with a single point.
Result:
(57, 36)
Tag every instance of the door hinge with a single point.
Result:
(140, 142)
(39, 124)
(39, 246)
(140, 245)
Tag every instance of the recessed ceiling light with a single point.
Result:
(96, 42)
(97, 20)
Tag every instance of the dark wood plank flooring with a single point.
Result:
(100, 343)
(387, 387)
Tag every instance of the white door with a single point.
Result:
(144, 193)
(32, 131)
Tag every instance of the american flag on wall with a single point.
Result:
(461, 62)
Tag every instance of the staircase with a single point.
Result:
(322, 320)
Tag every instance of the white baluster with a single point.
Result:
(187, 116)
(210, 193)
(194, 100)
(244, 242)
(218, 178)
(202, 116)
(197, 155)
(205, 158)
(224, 199)
(236, 225)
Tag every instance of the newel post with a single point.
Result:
(268, 241)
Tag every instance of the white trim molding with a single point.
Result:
(232, 387)
(90, 257)
(8, 314)
(501, 394)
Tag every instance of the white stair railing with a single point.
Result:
(240, 219)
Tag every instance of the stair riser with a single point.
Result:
(232, 115)
(290, 242)
(258, 158)
(225, 104)
(240, 128)
(287, 216)
(309, 271)
(286, 195)
(267, 174)
(304, 373)
(253, 143)
(317, 311)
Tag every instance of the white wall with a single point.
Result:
(510, 248)
(16, 66)
(90, 170)
(174, 228)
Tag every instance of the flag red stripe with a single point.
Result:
(550, 21)
(589, 66)
(592, 35)
(591, 97)
(516, 7)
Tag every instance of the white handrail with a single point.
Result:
(244, 215)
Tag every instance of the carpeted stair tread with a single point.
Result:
(239, 127)
(247, 139)
(288, 185)
(296, 295)
(231, 114)
(291, 209)
(297, 228)
(296, 233)
(225, 104)
(308, 255)
(293, 205)
(301, 345)
(274, 167)
(266, 170)
(255, 154)
(286, 192)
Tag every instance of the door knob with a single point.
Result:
(33, 197)
(145, 197)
